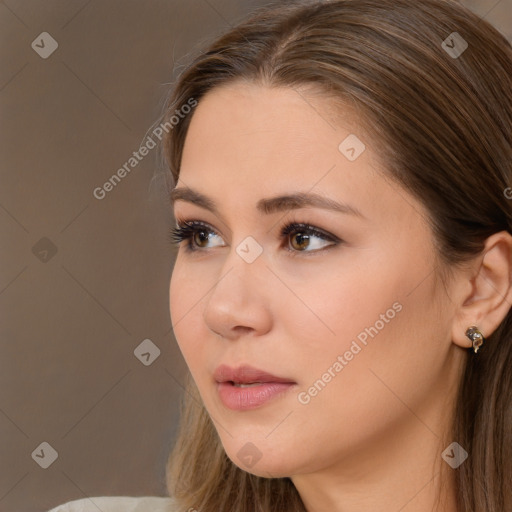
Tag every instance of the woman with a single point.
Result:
(340, 177)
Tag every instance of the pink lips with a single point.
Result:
(242, 398)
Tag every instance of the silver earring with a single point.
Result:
(476, 337)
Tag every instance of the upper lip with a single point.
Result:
(245, 374)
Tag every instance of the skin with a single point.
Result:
(372, 438)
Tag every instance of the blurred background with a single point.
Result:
(90, 373)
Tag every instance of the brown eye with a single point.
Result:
(201, 236)
(196, 234)
(307, 239)
(301, 239)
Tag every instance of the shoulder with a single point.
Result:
(117, 504)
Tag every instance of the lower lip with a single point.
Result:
(241, 399)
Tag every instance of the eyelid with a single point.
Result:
(293, 222)
(192, 226)
(196, 224)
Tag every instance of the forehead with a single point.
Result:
(268, 135)
(303, 112)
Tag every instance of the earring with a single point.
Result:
(476, 337)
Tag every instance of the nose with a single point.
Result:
(239, 303)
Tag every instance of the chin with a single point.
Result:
(265, 470)
(265, 461)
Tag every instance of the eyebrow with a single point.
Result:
(269, 205)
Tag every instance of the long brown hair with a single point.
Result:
(443, 125)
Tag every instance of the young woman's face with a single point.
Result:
(346, 328)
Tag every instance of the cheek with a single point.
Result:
(387, 350)
(331, 306)
(373, 319)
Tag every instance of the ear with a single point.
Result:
(487, 295)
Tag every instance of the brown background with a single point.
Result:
(70, 321)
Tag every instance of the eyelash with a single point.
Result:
(185, 230)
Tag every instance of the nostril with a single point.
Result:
(242, 329)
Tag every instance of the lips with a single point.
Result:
(245, 387)
(246, 375)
